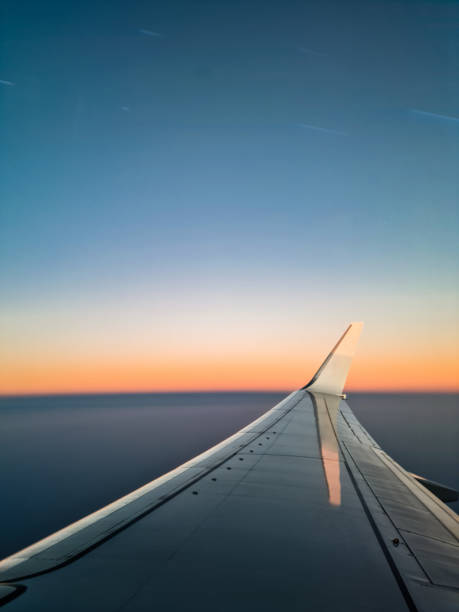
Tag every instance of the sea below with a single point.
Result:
(62, 457)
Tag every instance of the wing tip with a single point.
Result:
(331, 376)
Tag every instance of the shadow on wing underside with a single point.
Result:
(326, 412)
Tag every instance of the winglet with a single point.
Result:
(332, 374)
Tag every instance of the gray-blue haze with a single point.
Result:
(65, 456)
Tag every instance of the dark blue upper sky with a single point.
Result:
(221, 145)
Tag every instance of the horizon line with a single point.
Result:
(388, 391)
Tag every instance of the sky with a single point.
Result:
(201, 195)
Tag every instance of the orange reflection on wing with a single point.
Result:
(332, 476)
(327, 411)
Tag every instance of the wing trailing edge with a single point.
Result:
(331, 376)
(443, 492)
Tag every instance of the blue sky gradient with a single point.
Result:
(228, 149)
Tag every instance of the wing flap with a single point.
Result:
(443, 492)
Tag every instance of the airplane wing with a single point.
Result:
(300, 510)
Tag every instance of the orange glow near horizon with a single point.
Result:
(95, 349)
(209, 373)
